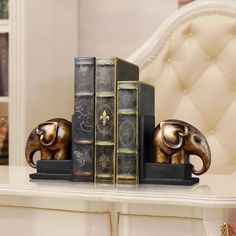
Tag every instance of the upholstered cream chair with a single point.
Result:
(191, 61)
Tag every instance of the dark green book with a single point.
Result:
(83, 120)
(108, 72)
(134, 99)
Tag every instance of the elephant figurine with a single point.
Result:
(174, 140)
(52, 138)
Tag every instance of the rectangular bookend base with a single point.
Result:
(169, 174)
(184, 182)
(51, 176)
(53, 169)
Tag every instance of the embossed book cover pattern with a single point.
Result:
(105, 111)
(127, 135)
(108, 72)
(83, 120)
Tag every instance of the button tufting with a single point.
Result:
(213, 60)
(198, 86)
(168, 60)
(189, 34)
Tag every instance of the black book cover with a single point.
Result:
(83, 120)
(134, 99)
(108, 73)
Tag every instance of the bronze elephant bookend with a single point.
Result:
(53, 140)
(173, 141)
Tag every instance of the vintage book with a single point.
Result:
(4, 9)
(108, 72)
(4, 64)
(134, 99)
(83, 120)
(3, 140)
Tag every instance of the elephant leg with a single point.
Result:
(60, 154)
(161, 157)
(178, 157)
(46, 154)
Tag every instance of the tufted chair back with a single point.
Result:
(191, 61)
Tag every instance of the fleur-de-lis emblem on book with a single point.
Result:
(104, 118)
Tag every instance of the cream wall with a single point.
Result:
(50, 38)
(118, 27)
(55, 31)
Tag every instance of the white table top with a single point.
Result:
(212, 191)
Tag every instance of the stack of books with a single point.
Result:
(109, 100)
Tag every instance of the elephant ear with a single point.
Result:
(173, 133)
(47, 132)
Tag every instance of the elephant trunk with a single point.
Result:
(32, 146)
(206, 160)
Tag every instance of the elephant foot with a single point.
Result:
(161, 158)
(60, 155)
(162, 162)
(178, 158)
(46, 154)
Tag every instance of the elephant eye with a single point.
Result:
(197, 139)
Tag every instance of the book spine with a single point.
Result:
(105, 120)
(83, 120)
(128, 133)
